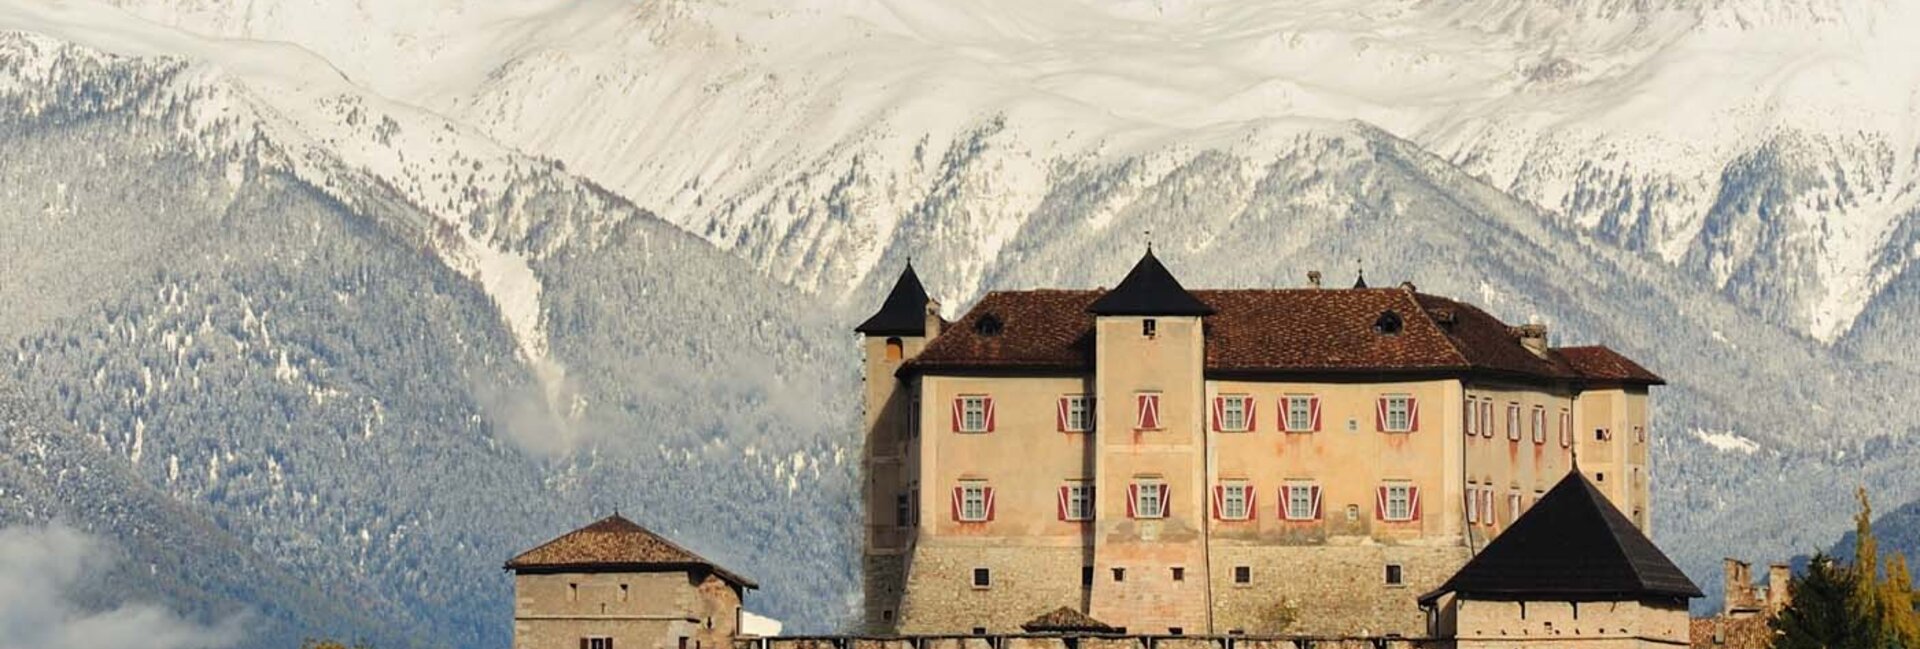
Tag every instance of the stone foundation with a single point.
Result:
(1026, 581)
(1332, 590)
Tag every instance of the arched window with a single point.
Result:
(895, 349)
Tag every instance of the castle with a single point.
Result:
(1149, 467)
(1216, 461)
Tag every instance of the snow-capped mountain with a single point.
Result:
(379, 288)
(1673, 128)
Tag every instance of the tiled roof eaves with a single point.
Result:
(911, 370)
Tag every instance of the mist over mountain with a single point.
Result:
(370, 296)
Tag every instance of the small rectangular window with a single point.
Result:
(1149, 327)
(1301, 411)
(1398, 413)
(1174, 630)
(979, 630)
(902, 516)
(1179, 573)
(1076, 413)
(1394, 575)
(982, 578)
(623, 592)
(607, 643)
(1540, 425)
(573, 592)
(973, 414)
(1119, 574)
(1243, 574)
(1513, 422)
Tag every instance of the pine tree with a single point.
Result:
(1824, 612)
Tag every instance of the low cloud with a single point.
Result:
(39, 568)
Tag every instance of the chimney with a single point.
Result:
(1533, 337)
(1408, 287)
(1313, 278)
(1778, 575)
(934, 321)
(1738, 588)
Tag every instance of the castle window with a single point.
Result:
(886, 615)
(1395, 575)
(982, 578)
(979, 630)
(1149, 327)
(1243, 574)
(1179, 573)
(1470, 410)
(1566, 428)
(902, 515)
(1233, 501)
(1147, 407)
(1398, 502)
(1473, 503)
(1076, 501)
(607, 643)
(1075, 413)
(1602, 434)
(1174, 630)
(1388, 324)
(1233, 413)
(895, 349)
(1486, 418)
(1640, 434)
(1539, 425)
(913, 504)
(1301, 501)
(1513, 422)
(973, 502)
(1397, 413)
(573, 592)
(973, 414)
(913, 415)
(1513, 506)
(988, 325)
(1147, 498)
(623, 592)
(1302, 413)
(1119, 574)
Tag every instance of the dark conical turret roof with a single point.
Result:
(905, 311)
(1149, 290)
(1573, 545)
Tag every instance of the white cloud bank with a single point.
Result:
(38, 567)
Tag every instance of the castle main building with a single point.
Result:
(1211, 462)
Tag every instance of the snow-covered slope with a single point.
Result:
(798, 132)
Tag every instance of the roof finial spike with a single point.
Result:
(1360, 281)
(1149, 234)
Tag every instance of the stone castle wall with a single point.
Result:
(1026, 581)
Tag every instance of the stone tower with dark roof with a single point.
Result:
(891, 337)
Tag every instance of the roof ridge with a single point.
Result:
(1414, 297)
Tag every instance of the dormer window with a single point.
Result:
(988, 325)
(1388, 324)
(1149, 327)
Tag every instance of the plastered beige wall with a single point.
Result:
(554, 611)
(1583, 625)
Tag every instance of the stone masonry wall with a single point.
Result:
(1332, 589)
(1026, 582)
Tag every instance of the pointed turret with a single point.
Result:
(1149, 290)
(1360, 280)
(904, 313)
(1573, 545)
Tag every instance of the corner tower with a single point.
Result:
(892, 336)
(1150, 541)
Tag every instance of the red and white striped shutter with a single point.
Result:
(1253, 421)
(1313, 407)
(1219, 496)
(989, 406)
(958, 405)
(1253, 507)
(1166, 499)
(1133, 500)
(1153, 409)
(1413, 502)
(1060, 415)
(1413, 414)
(1219, 412)
(1380, 414)
(1140, 417)
(1061, 502)
(1313, 493)
(958, 496)
(1380, 503)
(989, 496)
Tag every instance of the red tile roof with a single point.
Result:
(1266, 331)
(615, 543)
(1600, 363)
